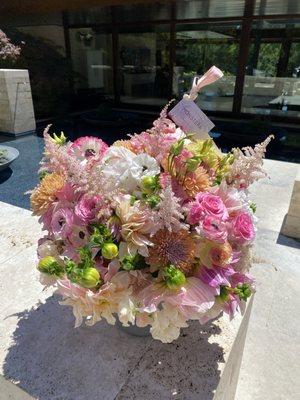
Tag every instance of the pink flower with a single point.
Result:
(87, 207)
(193, 298)
(88, 147)
(213, 229)
(78, 236)
(207, 204)
(242, 227)
(62, 222)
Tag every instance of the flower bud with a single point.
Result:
(60, 140)
(90, 278)
(149, 183)
(153, 200)
(174, 277)
(243, 290)
(109, 251)
(49, 265)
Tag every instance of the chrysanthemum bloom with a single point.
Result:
(176, 248)
(46, 193)
(196, 182)
(135, 226)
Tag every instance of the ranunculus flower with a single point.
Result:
(62, 222)
(242, 227)
(86, 208)
(213, 229)
(215, 254)
(207, 204)
(88, 147)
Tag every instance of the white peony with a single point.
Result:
(167, 323)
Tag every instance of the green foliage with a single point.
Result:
(134, 262)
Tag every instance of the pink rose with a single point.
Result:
(213, 229)
(207, 204)
(242, 227)
(87, 207)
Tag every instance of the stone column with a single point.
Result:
(16, 107)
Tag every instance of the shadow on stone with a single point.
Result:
(5, 174)
(50, 359)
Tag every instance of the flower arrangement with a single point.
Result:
(154, 230)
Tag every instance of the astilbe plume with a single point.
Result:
(169, 211)
(57, 159)
(248, 165)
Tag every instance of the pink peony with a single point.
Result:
(88, 147)
(213, 229)
(207, 204)
(87, 207)
(242, 227)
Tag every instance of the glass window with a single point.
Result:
(198, 47)
(270, 7)
(209, 8)
(93, 15)
(91, 52)
(272, 80)
(144, 64)
(143, 12)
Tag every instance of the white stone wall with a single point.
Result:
(16, 107)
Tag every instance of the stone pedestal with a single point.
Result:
(16, 107)
(48, 359)
(291, 225)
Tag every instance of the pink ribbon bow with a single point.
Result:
(210, 76)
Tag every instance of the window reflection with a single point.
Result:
(272, 80)
(92, 60)
(198, 47)
(144, 66)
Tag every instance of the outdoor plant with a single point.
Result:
(8, 51)
(154, 230)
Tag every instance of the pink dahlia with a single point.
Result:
(194, 297)
(88, 147)
(207, 204)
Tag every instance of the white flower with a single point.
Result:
(124, 169)
(126, 312)
(167, 323)
(144, 165)
(47, 248)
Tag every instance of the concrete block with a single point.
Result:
(46, 357)
(16, 106)
(291, 224)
